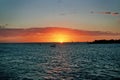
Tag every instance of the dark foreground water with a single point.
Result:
(64, 62)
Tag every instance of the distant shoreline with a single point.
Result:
(106, 42)
(40, 42)
(93, 42)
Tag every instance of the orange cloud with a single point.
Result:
(53, 34)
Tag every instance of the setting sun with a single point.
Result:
(61, 41)
(60, 36)
(57, 37)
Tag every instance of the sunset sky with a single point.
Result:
(59, 20)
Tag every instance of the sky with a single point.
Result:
(87, 15)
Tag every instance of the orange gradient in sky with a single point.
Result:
(53, 34)
(56, 35)
(59, 37)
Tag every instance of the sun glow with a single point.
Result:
(61, 37)
(61, 42)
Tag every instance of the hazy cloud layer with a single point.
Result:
(48, 30)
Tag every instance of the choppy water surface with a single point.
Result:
(64, 62)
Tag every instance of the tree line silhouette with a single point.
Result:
(106, 41)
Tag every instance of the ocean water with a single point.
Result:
(80, 61)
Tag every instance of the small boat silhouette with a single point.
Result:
(53, 45)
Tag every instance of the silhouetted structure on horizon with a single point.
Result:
(105, 41)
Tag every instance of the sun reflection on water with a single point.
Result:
(58, 66)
